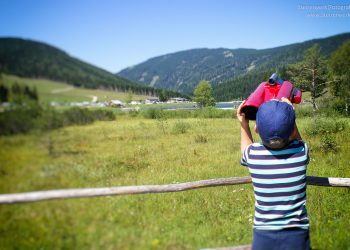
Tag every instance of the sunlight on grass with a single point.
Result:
(135, 151)
(49, 90)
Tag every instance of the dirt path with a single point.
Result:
(56, 91)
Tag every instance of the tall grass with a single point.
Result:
(134, 151)
(207, 112)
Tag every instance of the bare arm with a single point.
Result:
(246, 135)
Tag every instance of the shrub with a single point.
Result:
(77, 116)
(328, 143)
(19, 119)
(133, 113)
(303, 111)
(338, 106)
(153, 113)
(181, 127)
(322, 126)
(49, 119)
(200, 139)
(326, 128)
(103, 115)
(81, 116)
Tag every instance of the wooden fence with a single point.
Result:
(145, 189)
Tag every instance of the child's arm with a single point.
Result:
(246, 135)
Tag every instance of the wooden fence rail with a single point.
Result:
(128, 190)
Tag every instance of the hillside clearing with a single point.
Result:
(53, 91)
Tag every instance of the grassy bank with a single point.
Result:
(54, 91)
(133, 151)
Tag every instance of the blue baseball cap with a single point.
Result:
(275, 120)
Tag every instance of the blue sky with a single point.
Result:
(114, 34)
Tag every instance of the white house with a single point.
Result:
(135, 103)
(116, 103)
(152, 100)
(177, 100)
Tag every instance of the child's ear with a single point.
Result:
(256, 129)
(294, 133)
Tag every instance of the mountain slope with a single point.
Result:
(28, 58)
(183, 70)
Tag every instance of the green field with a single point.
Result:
(49, 91)
(135, 151)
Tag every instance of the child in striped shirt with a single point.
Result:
(277, 166)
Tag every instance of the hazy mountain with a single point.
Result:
(181, 71)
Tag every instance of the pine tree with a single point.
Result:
(27, 92)
(311, 74)
(3, 93)
(34, 95)
(163, 96)
(16, 93)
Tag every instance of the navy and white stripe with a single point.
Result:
(279, 180)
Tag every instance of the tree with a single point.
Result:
(16, 93)
(129, 96)
(203, 94)
(311, 74)
(16, 89)
(34, 94)
(163, 96)
(27, 92)
(340, 71)
(3, 93)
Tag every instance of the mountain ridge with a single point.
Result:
(182, 70)
(34, 59)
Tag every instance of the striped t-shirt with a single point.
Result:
(279, 181)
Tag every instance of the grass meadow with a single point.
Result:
(49, 91)
(135, 151)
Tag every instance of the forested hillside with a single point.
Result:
(183, 70)
(32, 59)
(241, 86)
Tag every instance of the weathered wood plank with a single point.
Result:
(129, 190)
(245, 247)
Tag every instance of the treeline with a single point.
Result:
(37, 60)
(17, 93)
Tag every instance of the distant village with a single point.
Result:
(120, 104)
